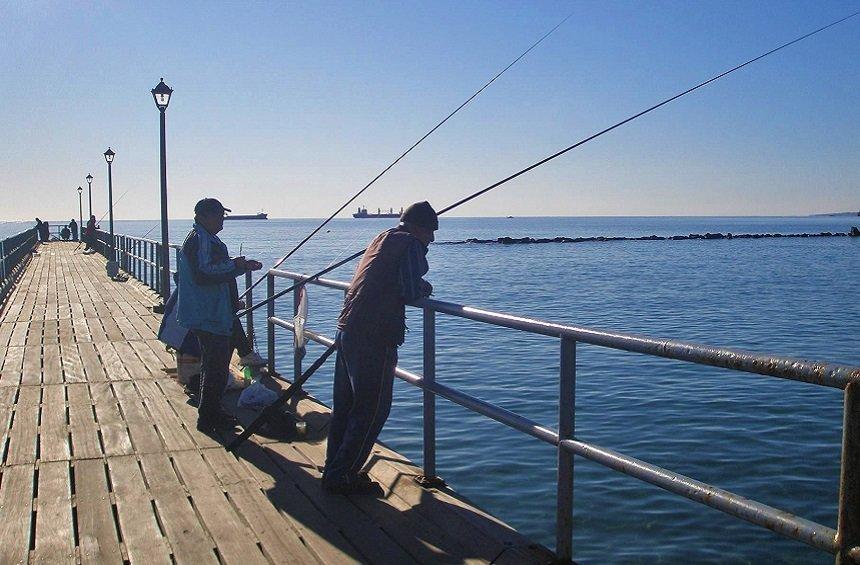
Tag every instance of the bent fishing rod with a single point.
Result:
(559, 154)
(405, 153)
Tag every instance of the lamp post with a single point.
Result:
(90, 193)
(112, 267)
(80, 212)
(161, 94)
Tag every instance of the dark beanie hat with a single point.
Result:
(421, 214)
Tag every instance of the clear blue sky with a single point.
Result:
(293, 107)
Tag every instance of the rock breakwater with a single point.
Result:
(855, 232)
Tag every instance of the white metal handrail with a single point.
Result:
(845, 544)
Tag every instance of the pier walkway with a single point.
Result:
(100, 461)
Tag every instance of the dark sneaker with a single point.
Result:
(221, 422)
(363, 488)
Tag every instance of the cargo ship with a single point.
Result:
(362, 213)
(257, 216)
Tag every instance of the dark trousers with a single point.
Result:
(216, 351)
(363, 382)
(239, 339)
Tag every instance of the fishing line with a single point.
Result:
(559, 154)
(409, 150)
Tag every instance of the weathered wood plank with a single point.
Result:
(55, 539)
(280, 541)
(371, 540)
(322, 536)
(22, 436)
(229, 533)
(113, 364)
(95, 371)
(138, 524)
(73, 364)
(31, 372)
(190, 542)
(16, 500)
(52, 371)
(54, 434)
(98, 539)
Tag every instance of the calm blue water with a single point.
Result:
(772, 440)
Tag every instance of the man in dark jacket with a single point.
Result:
(90, 234)
(73, 225)
(206, 306)
(370, 328)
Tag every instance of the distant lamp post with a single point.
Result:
(90, 193)
(112, 266)
(80, 212)
(161, 94)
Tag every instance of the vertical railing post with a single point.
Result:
(429, 372)
(270, 327)
(566, 414)
(157, 270)
(297, 356)
(249, 301)
(2, 261)
(848, 528)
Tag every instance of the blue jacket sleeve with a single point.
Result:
(413, 266)
(205, 270)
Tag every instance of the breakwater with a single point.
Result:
(854, 232)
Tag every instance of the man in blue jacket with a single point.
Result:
(206, 306)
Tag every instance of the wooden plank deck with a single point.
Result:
(100, 461)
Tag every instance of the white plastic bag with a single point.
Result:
(257, 397)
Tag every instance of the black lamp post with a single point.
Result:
(90, 193)
(161, 94)
(80, 212)
(112, 267)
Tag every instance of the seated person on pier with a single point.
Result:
(370, 328)
(206, 306)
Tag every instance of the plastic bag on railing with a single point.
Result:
(257, 397)
(299, 339)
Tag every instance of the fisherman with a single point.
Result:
(43, 230)
(205, 305)
(73, 225)
(90, 234)
(371, 326)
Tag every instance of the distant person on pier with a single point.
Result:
(206, 306)
(42, 228)
(73, 225)
(371, 326)
(90, 234)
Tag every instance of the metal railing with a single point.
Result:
(844, 542)
(137, 256)
(15, 253)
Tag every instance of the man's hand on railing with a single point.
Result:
(426, 288)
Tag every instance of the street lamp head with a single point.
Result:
(90, 179)
(161, 94)
(109, 155)
(80, 190)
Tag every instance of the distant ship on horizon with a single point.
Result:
(257, 216)
(362, 213)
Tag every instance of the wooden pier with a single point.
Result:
(101, 461)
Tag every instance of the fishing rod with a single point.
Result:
(560, 153)
(405, 153)
(296, 386)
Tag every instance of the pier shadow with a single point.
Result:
(408, 523)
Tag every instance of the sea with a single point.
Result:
(769, 439)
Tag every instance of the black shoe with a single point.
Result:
(363, 488)
(222, 422)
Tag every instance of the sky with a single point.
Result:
(292, 107)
